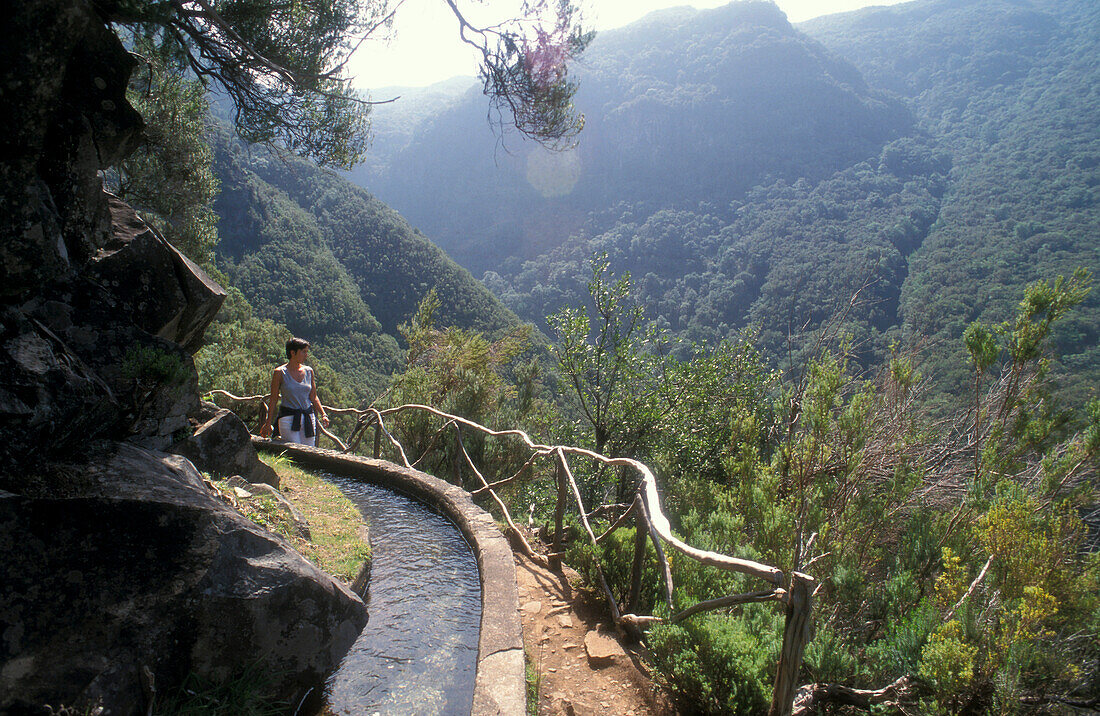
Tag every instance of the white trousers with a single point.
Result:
(297, 436)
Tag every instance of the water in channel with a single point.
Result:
(418, 653)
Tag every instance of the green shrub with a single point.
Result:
(715, 663)
(616, 555)
(827, 657)
(899, 651)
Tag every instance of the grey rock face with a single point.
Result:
(152, 381)
(64, 76)
(49, 398)
(222, 447)
(165, 293)
(141, 566)
(84, 365)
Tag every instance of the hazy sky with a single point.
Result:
(426, 49)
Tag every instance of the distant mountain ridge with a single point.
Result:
(934, 156)
(681, 108)
(401, 112)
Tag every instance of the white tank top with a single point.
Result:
(294, 394)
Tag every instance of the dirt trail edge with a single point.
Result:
(583, 668)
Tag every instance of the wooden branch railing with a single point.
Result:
(261, 401)
(795, 591)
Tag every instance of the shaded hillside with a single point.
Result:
(681, 108)
(312, 251)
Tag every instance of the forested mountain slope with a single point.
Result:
(310, 250)
(1011, 90)
(681, 108)
(748, 175)
(790, 258)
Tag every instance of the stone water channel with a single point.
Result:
(499, 687)
(418, 653)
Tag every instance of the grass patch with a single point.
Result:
(262, 509)
(533, 670)
(247, 694)
(337, 545)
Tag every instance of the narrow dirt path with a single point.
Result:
(582, 666)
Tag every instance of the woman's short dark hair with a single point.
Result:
(295, 344)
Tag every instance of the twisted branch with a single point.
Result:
(530, 553)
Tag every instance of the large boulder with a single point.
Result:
(222, 446)
(136, 566)
(165, 293)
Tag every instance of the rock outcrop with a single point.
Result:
(222, 447)
(121, 570)
(136, 567)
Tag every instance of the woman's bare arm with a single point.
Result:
(272, 403)
(315, 401)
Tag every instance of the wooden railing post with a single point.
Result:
(456, 462)
(641, 535)
(559, 513)
(377, 439)
(796, 634)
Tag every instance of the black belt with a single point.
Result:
(296, 424)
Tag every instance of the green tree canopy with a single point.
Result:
(170, 179)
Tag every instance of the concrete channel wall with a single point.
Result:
(500, 688)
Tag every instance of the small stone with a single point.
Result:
(561, 705)
(601, 649)
(532, 607)
(564, 621)
(241, 493)
(569, 645)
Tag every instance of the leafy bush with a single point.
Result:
(615, 555)
(714, 663)
(947, 662)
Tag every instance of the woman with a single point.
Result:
(296, 383)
